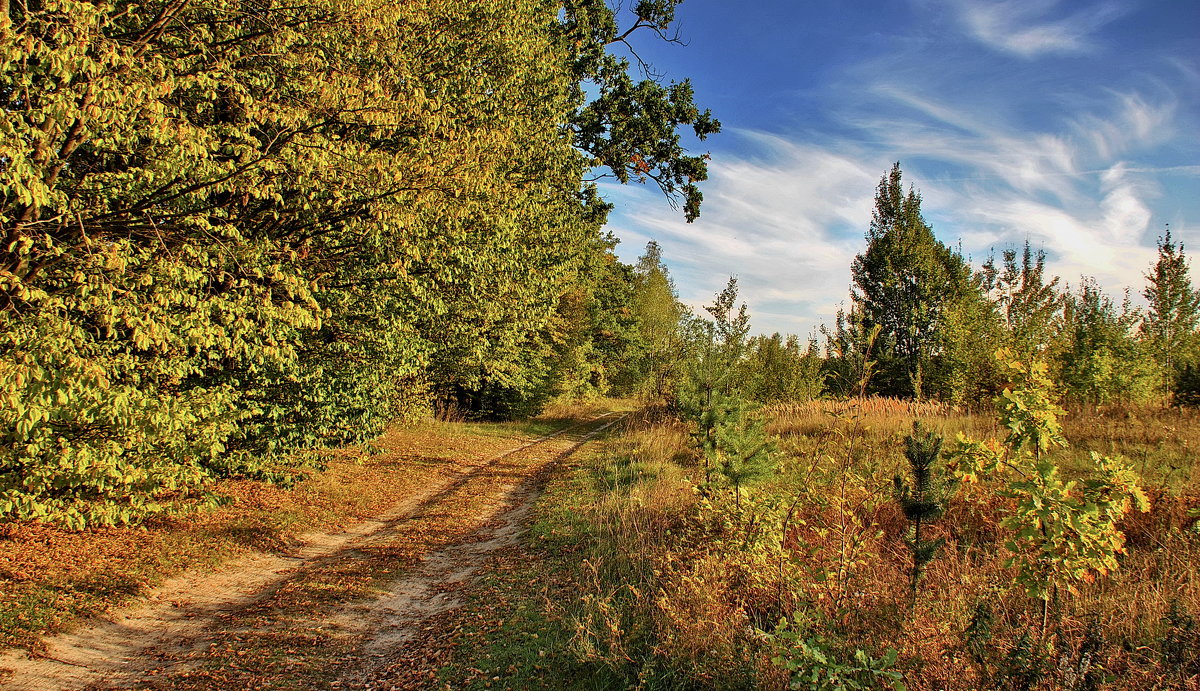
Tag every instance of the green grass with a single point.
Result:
(522, 648)
(516, 628)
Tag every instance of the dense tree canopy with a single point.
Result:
(1104, 361)
(233, 230)
(905, 282)
(237, 231)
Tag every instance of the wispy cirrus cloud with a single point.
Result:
(785, 217)
(1084, 158)
(989, 184)
(787, 213)
(1031, 28)
(1039, 162)
(1134, 120)
(1101, 236)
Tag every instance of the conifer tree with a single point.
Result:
(736, 442)
(923, 497)
(729, 433)
(716, 350)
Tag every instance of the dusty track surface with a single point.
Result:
(330, 613)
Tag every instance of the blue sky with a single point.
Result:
(1071, 124)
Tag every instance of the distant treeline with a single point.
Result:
(924, 324)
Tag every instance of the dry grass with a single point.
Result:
(1162, 442)
(1160, 565)
(576, 409)
(815, 414)
(824, 540)
(51, 578)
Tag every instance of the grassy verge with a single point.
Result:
(558, 614)
(50, 578)
(640, 575)
(511, 634)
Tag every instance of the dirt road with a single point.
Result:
(326, 615)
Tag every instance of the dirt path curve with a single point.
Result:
(325, 615)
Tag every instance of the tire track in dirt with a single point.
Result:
(168, 632)
(395, 617)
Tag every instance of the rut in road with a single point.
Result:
(327, 614)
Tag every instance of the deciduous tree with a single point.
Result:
(1104, 362)
(1173, 311)
(235, 230)
(905, 282)
(631, 126)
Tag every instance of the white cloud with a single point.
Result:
(1026, 29)
(1061, 189)
(973, 139)
(786, 218)
(1001, 152)
(1132, 122)
(1100, 239)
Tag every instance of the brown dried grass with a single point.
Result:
(51, 578)
(713, 583)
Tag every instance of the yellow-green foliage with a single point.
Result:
(1063, 530)
(231, 231)
(235, 231)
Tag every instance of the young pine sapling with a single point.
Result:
(741, 449)
(923, 497)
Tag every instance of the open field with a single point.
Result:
(640, 576)
(630, 570)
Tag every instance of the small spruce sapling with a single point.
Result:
(1025, 666)
(738, 445)
(923, 497)
(978, 638)
(1180, 641)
